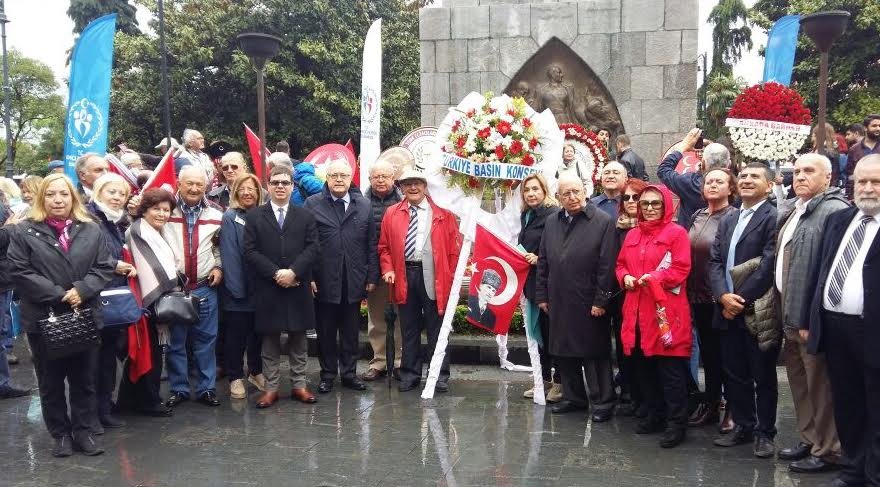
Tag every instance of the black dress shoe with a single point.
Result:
(739, 436)
(602, 416)
(798, 452)
(764, 447)
(87, 445)
(441, 387)
(11, 392)
(109, 421)
(354, 384)
(407, 387)
(812, 464)
(325, 386)
(672, 437)
(175, 399)
(63, 447)
(649, 425)
(567, 407)
(209, 398)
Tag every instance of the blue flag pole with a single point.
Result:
(88, 110)
(781, 45)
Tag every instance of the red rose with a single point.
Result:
(503, 127)
(473, 183)
(484, 133)
(461, 141)
(528, 160)
(499, 152)
(516, 147)
(526, 122)
(533, 143)
(511, 112)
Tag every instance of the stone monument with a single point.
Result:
(625, 65)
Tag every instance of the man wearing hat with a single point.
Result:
(478, 309)
(419, 245)
(56, 166)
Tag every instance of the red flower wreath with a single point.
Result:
(771, 101)
(596, 149)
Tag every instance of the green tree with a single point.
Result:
(854, 70)
(36, 105)
(313, 86)
(730, 34)
(721, 90)
(84, 11)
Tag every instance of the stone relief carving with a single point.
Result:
(557, 78)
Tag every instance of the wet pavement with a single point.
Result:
(480, 433)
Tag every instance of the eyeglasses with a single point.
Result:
(279, 183)
(574, 193)
(381, 177)
(651, 204)
(630, 197)
(338, 175)
(230, 167)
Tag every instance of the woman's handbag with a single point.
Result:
(178, 306)
(119, 307)
(69, 333)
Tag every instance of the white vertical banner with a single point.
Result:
(371, 100)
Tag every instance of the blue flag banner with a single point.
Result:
(88, 108)
(781, 44)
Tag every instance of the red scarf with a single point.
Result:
(61, 228)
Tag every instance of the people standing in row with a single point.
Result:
(232, 166)
(419, 244)
(842, 324)
(346, 271)
(89, 167)
(382, 194)
(538, 205)
(749, 360)
(237, 297)
(573, 286)
(634, 164)
(59, 263)
(281, 247)
(867, 145)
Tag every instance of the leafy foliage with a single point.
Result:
(854, 60)
(721, 91)
(36, 111)
(313, 85)
(730, 34)
(84, 11)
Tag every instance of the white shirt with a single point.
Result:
(424, 213)
(853, 301)
(799, 208)
(346, 200)
(276, 207)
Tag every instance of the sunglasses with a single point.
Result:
(630, 197)
(279, 183)
(230, 167)
(651, 204)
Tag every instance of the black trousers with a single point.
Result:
(143, 394)
(600, 381)
(663, 384)
(419, 311)
(105, 380)
(342, 320)
(710, 350)
(750, 381)
(629, 387)
(240, 338)
(547, 360)
(79, 371)
(855, 393)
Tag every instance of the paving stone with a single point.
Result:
(434, 23)
(663, 47)
(554, 20)
(470, 22)
(510, 20)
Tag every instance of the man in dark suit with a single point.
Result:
(843, 324)
(478, 309)
(347, 270)
(281, 246)
(751, 372)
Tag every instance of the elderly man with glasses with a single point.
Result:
(348, 268)
(233, 166)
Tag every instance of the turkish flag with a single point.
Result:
(140, 358)
(689, 162)
(164, 176)
(254, 148)
(116, 166)
(499, 273)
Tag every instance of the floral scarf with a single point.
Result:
(62, 231)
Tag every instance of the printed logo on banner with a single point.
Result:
(85, 123)
(369, 105)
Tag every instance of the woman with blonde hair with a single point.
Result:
(237, 290)
(830, 150)
(538, 204)
(59, 263)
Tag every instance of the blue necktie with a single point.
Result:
(734, 239)
(280, 217)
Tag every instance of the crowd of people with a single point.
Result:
(718, 266)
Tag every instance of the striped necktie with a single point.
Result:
(409, 246)
(835, 288)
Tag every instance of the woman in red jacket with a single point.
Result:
(652, 267)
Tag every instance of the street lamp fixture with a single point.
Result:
(260, 48)
(823, 28)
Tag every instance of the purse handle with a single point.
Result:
(183, 282)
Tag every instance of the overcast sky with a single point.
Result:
(42, 30)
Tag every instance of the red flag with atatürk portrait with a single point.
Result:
(499, 273)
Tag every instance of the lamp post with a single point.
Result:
(823, 28)
(163, 55)
(7, 96)
(260, 48)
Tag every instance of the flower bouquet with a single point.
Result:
(769, 122)
(490, 138)
(589, 150)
